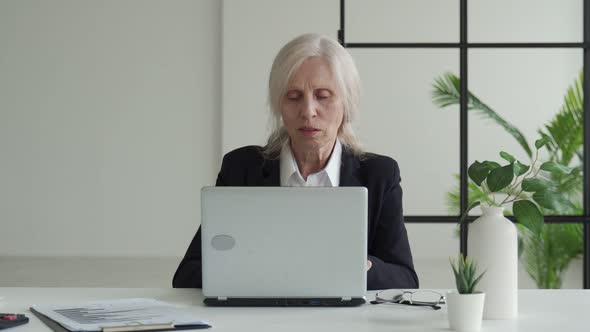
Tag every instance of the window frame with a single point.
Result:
(464, 46)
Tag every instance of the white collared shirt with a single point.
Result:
(327, 177)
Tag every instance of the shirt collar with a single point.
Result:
(332, 169)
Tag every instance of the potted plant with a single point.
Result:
(493, 239)
(465, 305)
(545, 256)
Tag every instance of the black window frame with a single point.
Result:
(464, 46)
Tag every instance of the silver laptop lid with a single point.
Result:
(284, 241)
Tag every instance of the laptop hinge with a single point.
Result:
(222, 298)
(346, 299)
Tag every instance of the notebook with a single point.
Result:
(284, 246)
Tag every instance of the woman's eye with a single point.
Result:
(293, 95)
(323, 94)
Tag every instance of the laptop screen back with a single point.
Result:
(284, 241)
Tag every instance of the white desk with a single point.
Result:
(539, 310)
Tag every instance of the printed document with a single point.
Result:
(94, 316)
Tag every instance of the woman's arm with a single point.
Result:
(190, 271)
(389, 252)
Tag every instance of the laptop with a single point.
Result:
(284, 246)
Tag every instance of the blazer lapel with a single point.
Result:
(350, 170)
(270, 174)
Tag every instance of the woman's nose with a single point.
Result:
(309, 108)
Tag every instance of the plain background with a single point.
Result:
(113, 114)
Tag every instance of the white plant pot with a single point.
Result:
(493, 244)
(465, 311)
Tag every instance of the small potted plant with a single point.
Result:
(465, 305)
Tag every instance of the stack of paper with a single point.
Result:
(120, 315)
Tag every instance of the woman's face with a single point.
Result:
(312, 108)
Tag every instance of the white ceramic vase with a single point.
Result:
(465, 311)
(493, 242)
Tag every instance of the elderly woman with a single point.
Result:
(314, 97)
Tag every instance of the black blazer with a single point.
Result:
(388, 247)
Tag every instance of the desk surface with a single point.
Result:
(539, 310)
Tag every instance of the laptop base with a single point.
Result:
(283, 302)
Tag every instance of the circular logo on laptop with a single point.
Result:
(223, 242)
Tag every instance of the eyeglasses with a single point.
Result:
(424, 298)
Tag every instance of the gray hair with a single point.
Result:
(286, 63)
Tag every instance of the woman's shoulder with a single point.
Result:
(245, 154)
(377, 164)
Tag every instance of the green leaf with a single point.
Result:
(571, 184)
(547, 257)
(459, 276)
(474, 204)
(465, 271)
(520, 169)
(477, 280)
(542, 142)
(447, 91)
(454, 268)
(533, 185)
(507, 156)
(500, 178)
(566, 129)
(529, 215)
(476, 193)
(491, 164)
(464, 286)
(478, 172)
(553, 200)
(555, 168)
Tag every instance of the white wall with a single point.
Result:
(109, 124)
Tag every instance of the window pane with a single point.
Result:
(389, 21)
(560, 245)
(432, 245)
(525, 21)
(523, 94)
(399, 119)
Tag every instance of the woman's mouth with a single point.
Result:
(309, 131)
